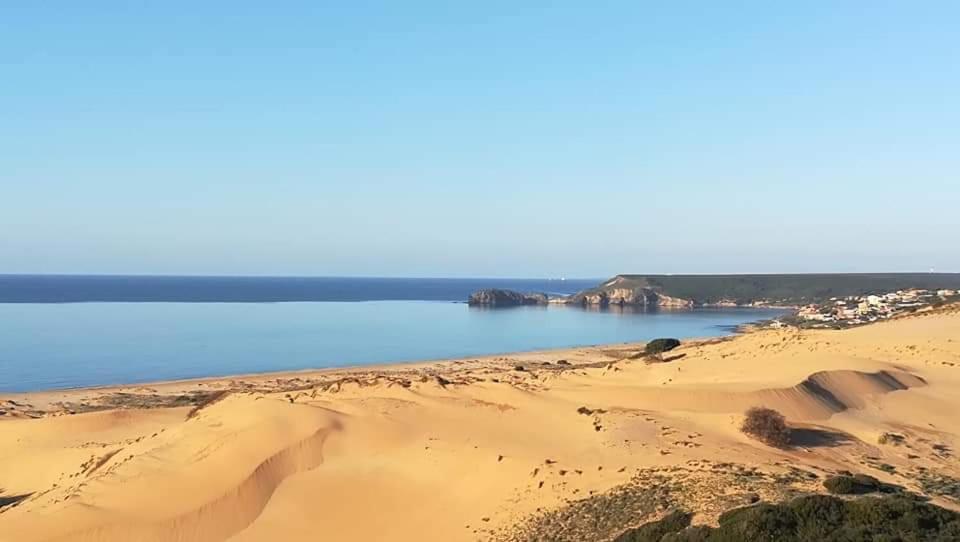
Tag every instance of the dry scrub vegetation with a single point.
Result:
(768, 426)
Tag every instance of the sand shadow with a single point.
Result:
(9, 500)
(652, 358)
(811, 437)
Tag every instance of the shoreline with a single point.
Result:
(725, 331)
(291, 380)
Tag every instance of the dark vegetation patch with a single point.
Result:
(816, 517)
(858, 484)
(706, 486)
(596, 518)
(657, 347)
(197, 399)
(937, 484)
(768, 426)
(655, 530)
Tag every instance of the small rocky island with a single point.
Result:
(495, 297)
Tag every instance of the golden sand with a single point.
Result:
(491, 448)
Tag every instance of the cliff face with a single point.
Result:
(617, 292)
(645, 297)
(505, 298)
(752, 290)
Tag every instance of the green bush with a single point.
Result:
(843, 485)
(697, 533)
(858, 484)
(770, 521)
(657, 347)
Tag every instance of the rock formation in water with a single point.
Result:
(618, 292)
(495, 297)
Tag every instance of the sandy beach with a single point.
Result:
(573, 444)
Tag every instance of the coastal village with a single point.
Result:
(864, 309)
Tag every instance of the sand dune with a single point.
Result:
(200, 478)
(499, 448)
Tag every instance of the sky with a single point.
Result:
(481, 139)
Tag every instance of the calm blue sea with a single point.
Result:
(140, 329)
(139, 288)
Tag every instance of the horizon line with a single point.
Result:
(435, 277)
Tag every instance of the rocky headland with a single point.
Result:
(689, 291)
(618, 291)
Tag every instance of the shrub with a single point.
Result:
(858, 484)
(657, 347)
(818, 515)
(770, 521)
(768, 426)
(697, 533)
(845, 485)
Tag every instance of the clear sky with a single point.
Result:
(479, 138)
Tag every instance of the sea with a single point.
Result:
(67, 331)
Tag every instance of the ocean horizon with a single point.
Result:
(75, 288)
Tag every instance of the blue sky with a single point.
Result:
(479, 139)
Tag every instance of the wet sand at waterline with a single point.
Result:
(572, 444)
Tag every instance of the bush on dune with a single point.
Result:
(858, 484)
(657, 347)
(768, 426)
(845, 485)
